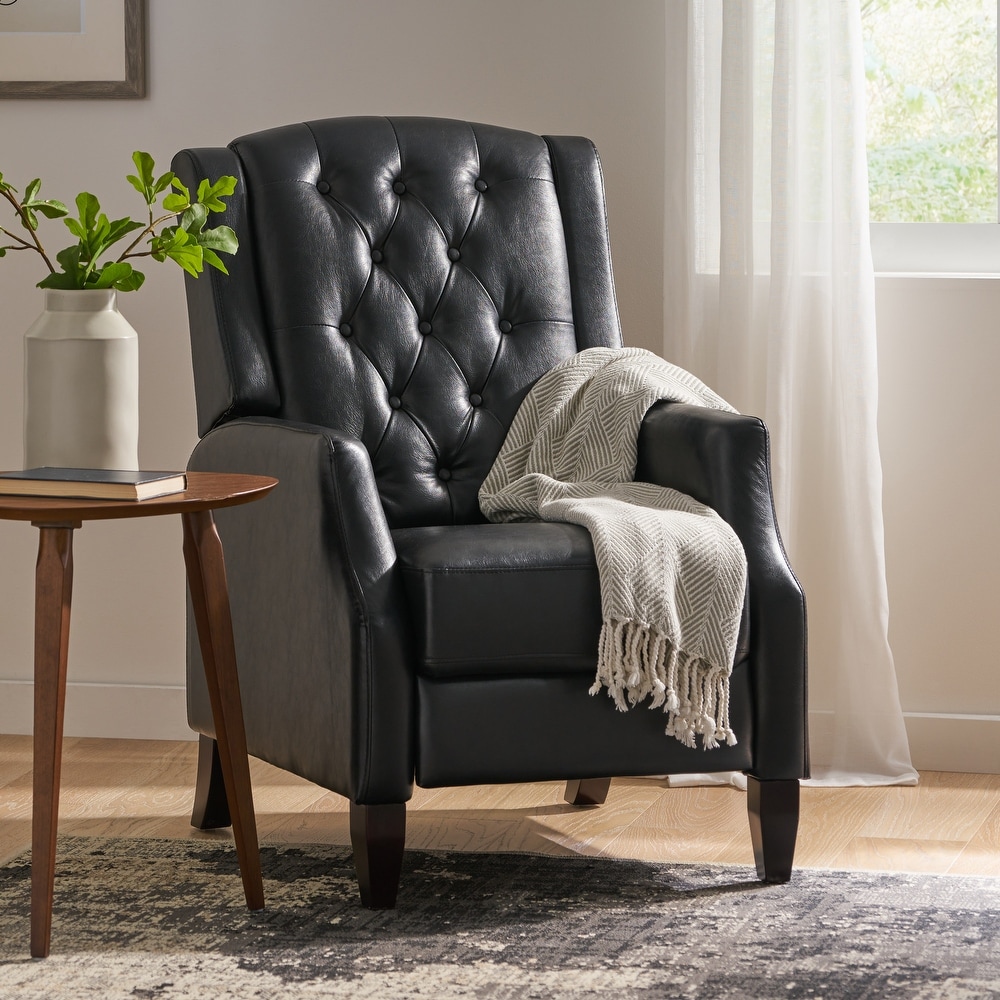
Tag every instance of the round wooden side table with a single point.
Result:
(56, 519)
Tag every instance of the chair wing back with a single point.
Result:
(405, 281)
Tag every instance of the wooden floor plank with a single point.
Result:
(981, 855)
(942, 807)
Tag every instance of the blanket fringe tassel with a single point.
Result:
(637, 661)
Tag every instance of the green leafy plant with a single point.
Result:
(85, 264)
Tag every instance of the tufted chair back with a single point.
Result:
(405, 281)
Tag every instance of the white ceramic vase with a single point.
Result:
(81, 384)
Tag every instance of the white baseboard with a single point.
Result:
(113, 711)
(938, 742)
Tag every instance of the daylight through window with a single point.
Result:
(931, 67)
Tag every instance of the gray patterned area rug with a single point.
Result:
(165, 920)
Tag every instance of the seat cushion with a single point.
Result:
(504, 599)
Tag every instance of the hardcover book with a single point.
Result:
(91, 484)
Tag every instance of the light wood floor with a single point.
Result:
(949, 823)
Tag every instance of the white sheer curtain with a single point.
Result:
(770, 300)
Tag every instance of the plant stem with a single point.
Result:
(35, 244)
(25, 245)
(150, 230)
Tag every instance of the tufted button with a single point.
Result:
(505, 326)
(323, 187)
(424, 328)
(475, 399)
(454, 253)
(377, 256)
(345, 329)
(481, 185)
(399, 187)
(444, 474)
(395, 402)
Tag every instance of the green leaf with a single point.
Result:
(109, 274)
(144, 164)
(73, 274)
(118, 274)
(174, 243)
(171, 236)
(88, 206)
(211, 257)
(163, 182)
(76, 228)
(121, 228)
(59, 280)
(194, 219)
(180, 201)
(221, 238)
(189, 257)
(32, 204)
(211, 195)
(131, 282)
(176, 203)
(50, 208)
(69, 258)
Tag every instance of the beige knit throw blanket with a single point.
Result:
(672, 572)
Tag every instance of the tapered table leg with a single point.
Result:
(206, 572)
(53, 595)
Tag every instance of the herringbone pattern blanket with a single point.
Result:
(672, 572)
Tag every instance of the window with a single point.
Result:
(931, 67)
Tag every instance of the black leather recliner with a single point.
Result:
(401, 284)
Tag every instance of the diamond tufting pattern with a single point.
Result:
(417, 284)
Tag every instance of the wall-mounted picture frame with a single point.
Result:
(72, 48)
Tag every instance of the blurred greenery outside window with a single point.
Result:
(931, 68)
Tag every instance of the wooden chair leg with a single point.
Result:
(773, 807)
(587, 791)
(211, 807)
(378, 834)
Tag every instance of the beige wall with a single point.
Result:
(939, 356)
(591, 67)
(220, 68)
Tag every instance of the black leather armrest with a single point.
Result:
(722, 460)
(330, 698)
